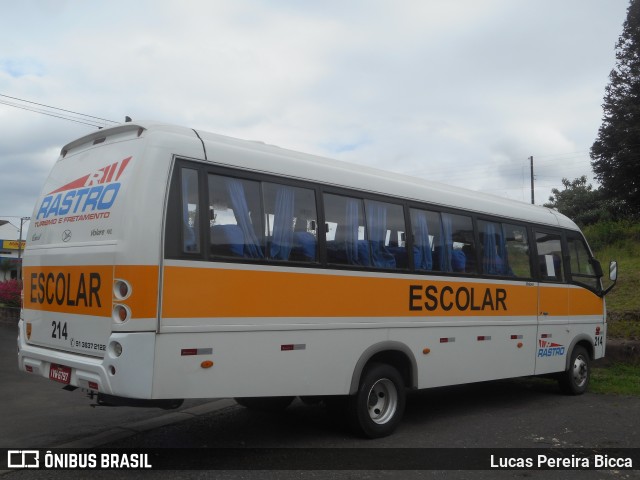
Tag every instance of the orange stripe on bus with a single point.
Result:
(213, 292)
(554, 301)
(88, 290)
(583, 302)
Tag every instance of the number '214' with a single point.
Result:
(59, 331)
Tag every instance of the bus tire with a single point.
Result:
(575, 380)
(377, 407)
(265, 404)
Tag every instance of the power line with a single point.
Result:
(48, 114)
(489, 170)
(56, 108)
(57, 112)
(555, 155)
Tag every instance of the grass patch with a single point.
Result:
(623, 302)
(617, 379)
(613, 379)
(628, 329)
(624, 296)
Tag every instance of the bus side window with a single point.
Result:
(549, 246)
(346, 232)
(290, 223)
(458, 252)
(426, 231)
(504, 249)
(235, 218)
(384, 221)
(493, 247)
(190, 211)
(518, 251)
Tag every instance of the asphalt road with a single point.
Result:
(504, 414)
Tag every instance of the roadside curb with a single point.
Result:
(125, 431)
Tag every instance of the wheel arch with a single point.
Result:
(392, 353)
(583, 340)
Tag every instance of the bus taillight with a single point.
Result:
(121, 313)
(121, 289)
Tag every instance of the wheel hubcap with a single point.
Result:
(382, 401)
(580, 371)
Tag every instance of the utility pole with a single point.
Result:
(22, 221)
(532, 198)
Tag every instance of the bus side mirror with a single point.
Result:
(613, 276)
(613, 271)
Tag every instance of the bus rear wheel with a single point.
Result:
(376, 409)
(265, 404)
(575, 380)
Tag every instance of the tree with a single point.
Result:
(615, 154)
(580, 202)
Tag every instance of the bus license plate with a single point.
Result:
(60, 373)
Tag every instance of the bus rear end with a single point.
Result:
(91, 266)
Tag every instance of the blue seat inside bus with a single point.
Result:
(304, 246)
(227, 240)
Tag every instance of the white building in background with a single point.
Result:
(10, 250)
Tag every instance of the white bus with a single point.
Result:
(166, 263)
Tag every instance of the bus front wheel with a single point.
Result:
(376, 409)
(575, 380)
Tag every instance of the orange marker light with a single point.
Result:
(426, 351)
(207, 364)
(120, 313)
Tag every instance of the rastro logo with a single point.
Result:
(96, 191)
(550, 349)
(103, 175)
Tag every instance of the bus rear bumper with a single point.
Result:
(127, 375)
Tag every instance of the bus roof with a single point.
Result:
(261, 157)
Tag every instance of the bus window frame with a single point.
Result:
(172, 244)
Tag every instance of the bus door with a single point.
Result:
(586, 302)
(553, 303)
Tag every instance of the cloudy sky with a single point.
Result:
(458, 91)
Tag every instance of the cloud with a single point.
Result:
(460, 92)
